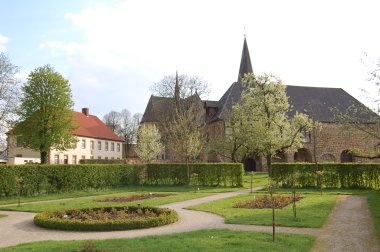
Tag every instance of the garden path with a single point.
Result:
(351, 235)
(349, 227)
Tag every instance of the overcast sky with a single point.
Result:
(113, 51)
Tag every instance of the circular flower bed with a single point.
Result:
(106, 219)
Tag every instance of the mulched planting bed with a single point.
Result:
(135, 197)
(265, 201)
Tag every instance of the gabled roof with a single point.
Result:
(316, 102)
(156, 106)
(230, 97)
(91, 126)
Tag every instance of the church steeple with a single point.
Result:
(245, 63)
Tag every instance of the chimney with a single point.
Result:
(86, 111)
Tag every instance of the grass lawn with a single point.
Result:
(205, 240)
(43, 197)
(312, 211)
(374, 206)
(2, 215)
(259, 179)
(91, 202)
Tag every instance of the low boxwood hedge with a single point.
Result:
(55, 220)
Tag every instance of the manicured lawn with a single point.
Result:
(91, 202)
(43, 197)
(259, 179)
(374, 206)
(312, 211)
(205, 240)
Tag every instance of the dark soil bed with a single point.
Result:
(265, 201)
(135, 197)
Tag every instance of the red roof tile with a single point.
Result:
(91, 126)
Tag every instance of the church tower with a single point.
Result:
(245, 63)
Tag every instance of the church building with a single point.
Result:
(316, 102)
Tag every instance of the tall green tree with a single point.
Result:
(46, 115)
(264, 123)
(148, 142)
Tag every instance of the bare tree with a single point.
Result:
(124, 125)
(188, 86)
(9, 93)
(112, 120)
(128, 129)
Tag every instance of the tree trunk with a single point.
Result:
(44, 156)
(269, 162)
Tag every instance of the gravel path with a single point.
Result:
(18, 227)
(349, 227)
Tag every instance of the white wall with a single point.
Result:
(18, 155)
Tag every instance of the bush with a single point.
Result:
(38, 179)
(154, 217)
(334, 175)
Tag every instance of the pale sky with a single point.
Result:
(113, 51)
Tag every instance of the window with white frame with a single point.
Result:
(106, 146)
(56, 159)
(92, 145)
(112, 146)
(74, 159)
(99, 145)
(65, 159)
(83, 144)
(118, 147)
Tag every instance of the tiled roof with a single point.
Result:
(316, 102)
(91, 126)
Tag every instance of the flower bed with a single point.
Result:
(135, 197)
(106, 219)
(265, 201)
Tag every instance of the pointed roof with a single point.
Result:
(245, 63)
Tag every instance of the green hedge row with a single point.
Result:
(35, 179)
(207, 174)
(332, 175)
(102, 161)
(54, 220)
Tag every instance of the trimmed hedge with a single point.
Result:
(208, 174)
(38, 179)
(54, 220)
(102, 161)
(334, 175)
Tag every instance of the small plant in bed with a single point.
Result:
(265, 201)
(106, 219)
(135, 197)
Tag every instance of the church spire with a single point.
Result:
(245, 63)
